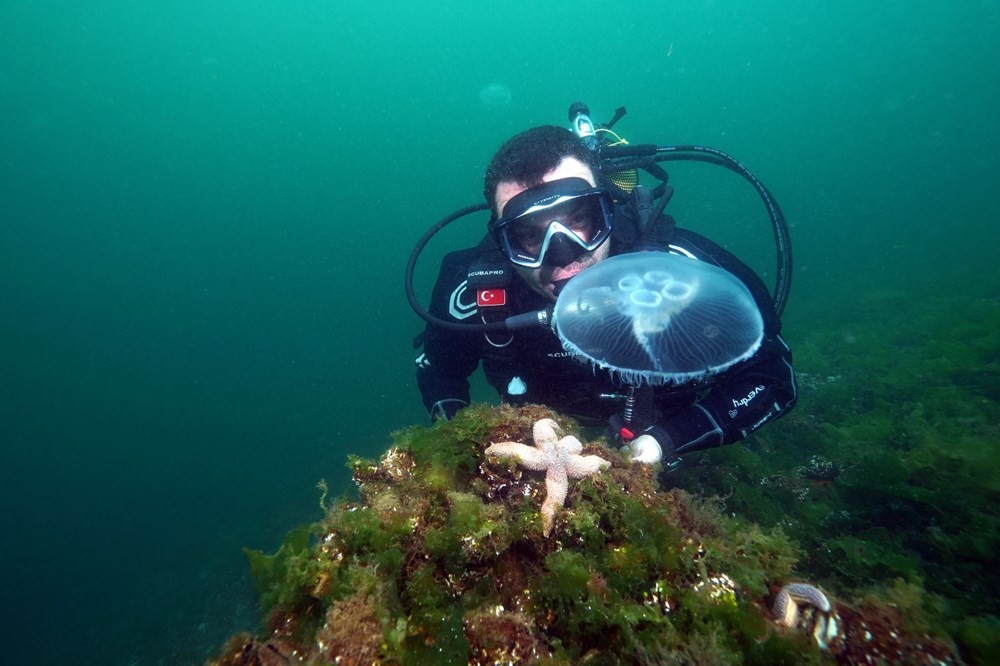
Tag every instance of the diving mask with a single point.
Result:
(554, 223)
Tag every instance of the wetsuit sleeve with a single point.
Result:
(758, 391)
(751, 394)
(449, 357)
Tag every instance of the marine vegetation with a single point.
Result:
(887, 474)
(443, 558)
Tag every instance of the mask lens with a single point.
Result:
(584, 219)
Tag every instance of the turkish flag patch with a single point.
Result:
(488, 298)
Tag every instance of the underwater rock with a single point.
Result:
(873, 633)
(498, 636)
(439, 559)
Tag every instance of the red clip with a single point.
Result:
(626, 434)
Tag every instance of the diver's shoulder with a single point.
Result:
(460, 259)
(694, 244)
(685, 242)
(466, 255)
(457, 266)
(485, 250)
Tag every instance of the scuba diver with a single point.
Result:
(560, 202)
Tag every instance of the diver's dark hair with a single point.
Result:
(526, 157)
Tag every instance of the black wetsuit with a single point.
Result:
(725, 409)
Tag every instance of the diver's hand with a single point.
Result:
(654, 446)
(645, 449)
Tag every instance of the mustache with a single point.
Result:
(545, 273)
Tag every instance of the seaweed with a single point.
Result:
(441, 558)
(886, 474)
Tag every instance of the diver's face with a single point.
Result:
(544, 279)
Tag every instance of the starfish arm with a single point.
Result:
(556, 485)
(528, 456)
(544, 433)
(578, 467)
(548, 516)
(570, 444)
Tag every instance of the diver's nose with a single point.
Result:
(562, 251)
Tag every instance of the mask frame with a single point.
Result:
(552, 206)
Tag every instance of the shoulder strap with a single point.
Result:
(640, 221)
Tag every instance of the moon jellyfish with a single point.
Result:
(658, 318)
(495, 95)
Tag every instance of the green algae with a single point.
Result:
(271, 572)
(442, 550)
(887, 469)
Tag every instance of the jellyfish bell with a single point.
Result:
(495, 95)
(658, 318)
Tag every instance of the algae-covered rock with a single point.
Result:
(442, 558)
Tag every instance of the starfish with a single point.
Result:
(560, 459)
